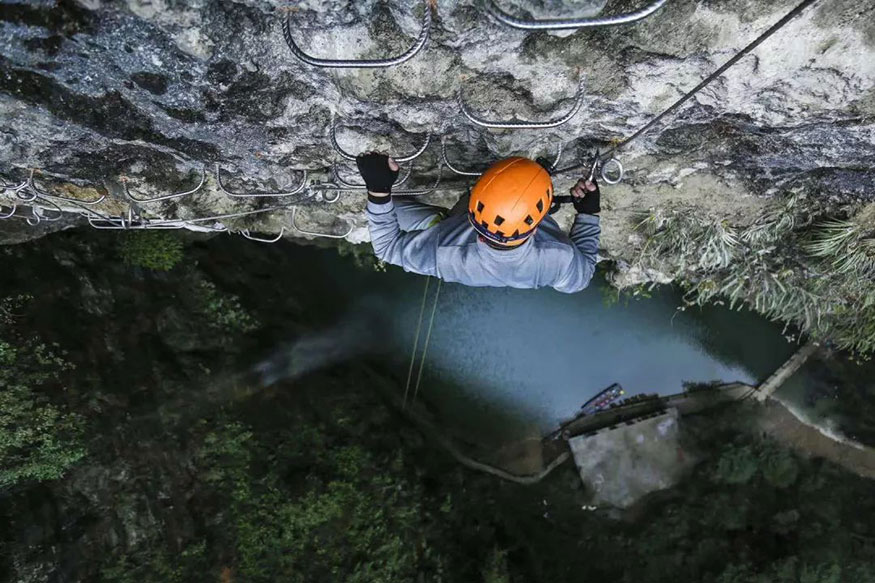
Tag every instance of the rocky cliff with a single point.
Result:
(144, 98)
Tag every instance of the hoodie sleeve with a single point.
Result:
(578, 273)
(415, 251)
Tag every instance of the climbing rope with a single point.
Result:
(437, 295)
(698, 88)
(416, 341)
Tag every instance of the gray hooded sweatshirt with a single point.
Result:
(452, 250)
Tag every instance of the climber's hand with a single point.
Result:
(586, 197)
(379, 172)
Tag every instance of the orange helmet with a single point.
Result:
(510, 200)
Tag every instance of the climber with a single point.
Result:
(501, 236)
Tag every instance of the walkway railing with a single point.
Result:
(780, 376)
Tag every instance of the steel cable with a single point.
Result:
(698, 88)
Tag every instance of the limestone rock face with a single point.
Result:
(144, 94)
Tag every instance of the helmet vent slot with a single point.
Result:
(540, 205)
(498, 220)
(480, 206)
(529, 220)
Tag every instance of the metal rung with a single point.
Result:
(571, 23)
(313, 233)
(447, 163)
(167, 196)
(421, 191)
(136, 223)
(32, 184)
(452, 168)
(122, 223)
(363, 63)
(357, 186)
(15, 189)
(20, 191)
(395, 191)
(558, 155)
(518, 125)
(219, 217)
(39, 216)
(131, 222)
(400, 159)
(225, 190)
(245, 233)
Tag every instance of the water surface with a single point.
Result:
(535, 356)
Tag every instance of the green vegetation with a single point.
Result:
(306, 497)
(329, 487)
(353, 516)
(612, 296)
(800, 263)
(737, 465)
(156, 249)
(752, 511)
(162, 566)
(495, 570)
(197, 474)
(38, 440)
(362, 255)
(222, 310)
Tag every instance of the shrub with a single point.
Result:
(223, 311)
(362, 255)
(37, 440)
(799, 264)
(350, 517)
(737, 465)
(159, 565)
(156, 250)
(495, 570)
(779, 467)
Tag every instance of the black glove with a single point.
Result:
(375, 170)
(589, 204)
